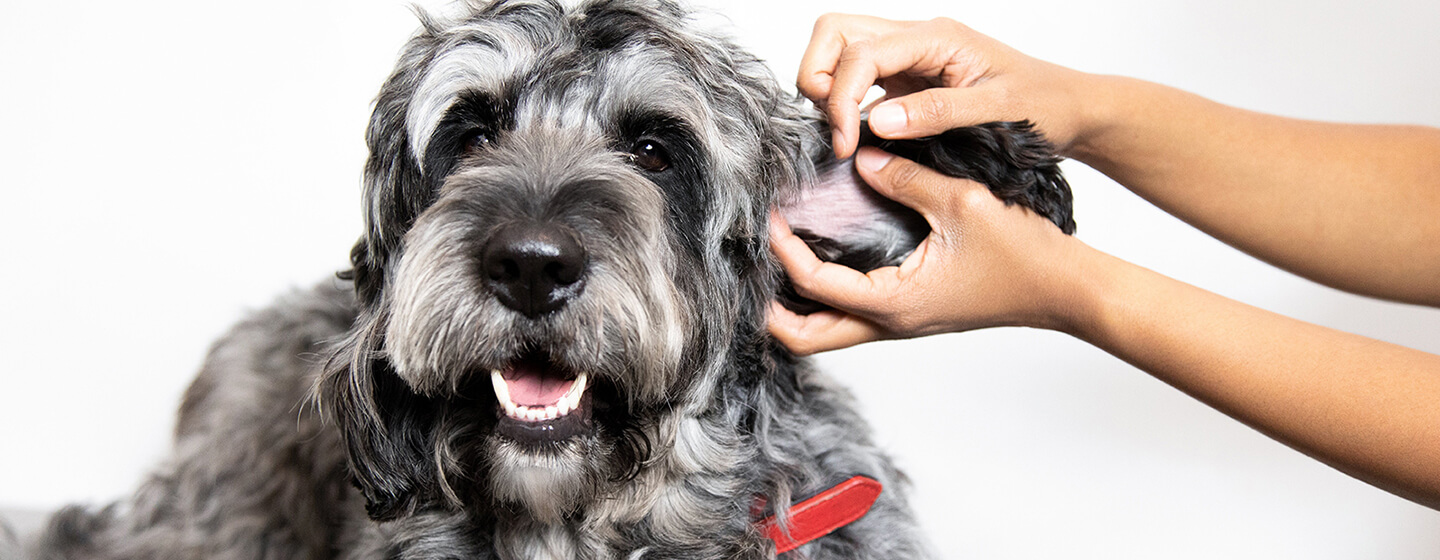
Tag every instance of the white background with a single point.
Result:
(165, 166)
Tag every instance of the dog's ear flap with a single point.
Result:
(364, 274)
(1018, 164)
(845, 221)
(396, 188)
(387, 431)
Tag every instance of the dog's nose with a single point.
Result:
(534, 268)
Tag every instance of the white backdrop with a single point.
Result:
(168, 165)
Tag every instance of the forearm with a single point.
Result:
(1365, 407)
(1351, 206)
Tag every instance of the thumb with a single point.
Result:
(932, 111)
(820, 331)
(920, 188)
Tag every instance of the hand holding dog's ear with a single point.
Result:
(984, 264)
(937, 75)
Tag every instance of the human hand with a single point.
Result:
(937, 75)
(984, 264)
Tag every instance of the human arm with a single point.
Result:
(1363, 406)
(1350, 206)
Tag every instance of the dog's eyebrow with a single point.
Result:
(633, 121)
(481, 66)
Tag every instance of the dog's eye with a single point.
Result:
(476, 140)
(650, 156)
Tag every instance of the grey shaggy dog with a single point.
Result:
(552, 340)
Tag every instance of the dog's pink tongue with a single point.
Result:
(532, 384)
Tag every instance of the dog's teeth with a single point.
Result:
(571, 400)
(577, 388)
(502, 391)
(582, 382)
(568, 403)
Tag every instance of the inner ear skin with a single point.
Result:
(1011, 158)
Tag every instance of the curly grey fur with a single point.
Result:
(701, 412)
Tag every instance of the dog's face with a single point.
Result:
(567, 212)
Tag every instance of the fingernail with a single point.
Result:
(888, 119)
(837, 139)
(872, 160)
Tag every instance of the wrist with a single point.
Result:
(1086, 283)
(1103, 102)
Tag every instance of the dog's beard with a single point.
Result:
(551, 481)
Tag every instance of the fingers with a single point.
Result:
(827, 282)
(932, 111)
(922, 189)
(849, 54)
(825, 60)
(833, 32)
(820, 331)
(864, 63)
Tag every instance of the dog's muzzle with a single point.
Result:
(535, 268)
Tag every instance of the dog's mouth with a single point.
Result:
(540, 401)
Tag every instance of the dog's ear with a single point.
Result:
(396, 188)
(1011, 158)
(387, 429)
(845, 221)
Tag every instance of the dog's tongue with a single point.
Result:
(534, 384)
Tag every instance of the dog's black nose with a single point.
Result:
(534, 268)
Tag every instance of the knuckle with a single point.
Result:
(943, 21)
(827, 20)
(803, 284)
(810, 84)
(859, 51)
(974, 201)
(950, 29)
(788, 336)
(901, 173)
(802, 347)
(899, 322)
(930, 108)
(949, 24)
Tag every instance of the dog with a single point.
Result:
(551, 341)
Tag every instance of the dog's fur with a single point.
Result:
(653, 149)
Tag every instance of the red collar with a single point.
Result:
(836, 507)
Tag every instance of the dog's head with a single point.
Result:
(566, 242)
(566, 260)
